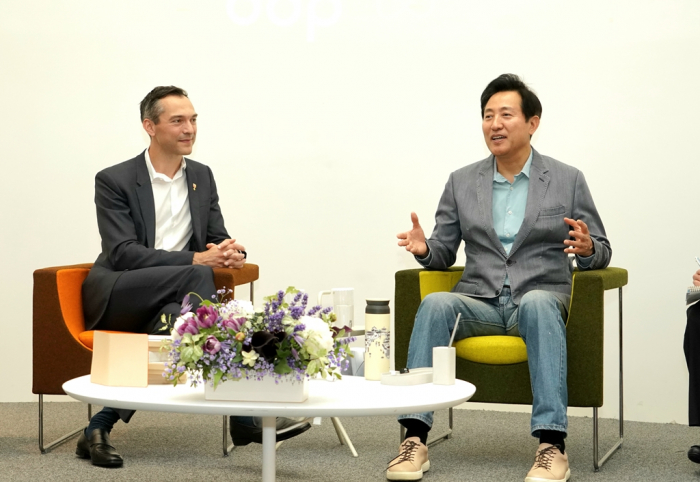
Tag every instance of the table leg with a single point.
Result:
(269, 441)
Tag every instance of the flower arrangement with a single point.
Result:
(230, 340)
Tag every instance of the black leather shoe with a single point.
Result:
(694, 454)
(242, 434)
(98, 449)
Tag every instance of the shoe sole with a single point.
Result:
(286, 434)
(409, 475)
(539, 479)
(84, 455)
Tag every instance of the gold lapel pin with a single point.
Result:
(194, 187)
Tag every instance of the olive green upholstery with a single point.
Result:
(497, 366)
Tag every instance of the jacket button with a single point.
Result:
(498, 292)
(509, 262)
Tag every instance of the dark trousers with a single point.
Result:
(140, 298)
(691, 346)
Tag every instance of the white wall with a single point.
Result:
(324, 134)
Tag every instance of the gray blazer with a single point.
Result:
(126, 218)
(537, 260)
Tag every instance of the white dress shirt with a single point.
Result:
(173, 217)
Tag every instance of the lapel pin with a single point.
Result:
(194, 187)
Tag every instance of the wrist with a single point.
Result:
(197, 258)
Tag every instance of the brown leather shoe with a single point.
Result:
(550, 465)
(411, 462)
(98, 448)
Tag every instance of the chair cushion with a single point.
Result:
(86, 338)
(492, 350)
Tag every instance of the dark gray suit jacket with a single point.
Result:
(537, 259)
(126, 219)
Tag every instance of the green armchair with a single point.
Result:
(497, 366)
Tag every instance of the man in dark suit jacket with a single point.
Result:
(162, 233)
(520, 215)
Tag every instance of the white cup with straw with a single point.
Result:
(444, 360)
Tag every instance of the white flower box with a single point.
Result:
(288, 389)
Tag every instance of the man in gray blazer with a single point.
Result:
(520, 215)
(162, 233)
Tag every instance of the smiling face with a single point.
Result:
(506, 131)
(176, 130)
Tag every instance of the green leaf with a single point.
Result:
(282, 368)
(198, 352)
(217, 377)
(186, 354)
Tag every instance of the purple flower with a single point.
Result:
(207, 316)
(186, 305)
(296, 312)
(212, 345)
(233, 323)
(189, 326)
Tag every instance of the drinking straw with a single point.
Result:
(454, 330)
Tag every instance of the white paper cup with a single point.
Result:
(444, 361)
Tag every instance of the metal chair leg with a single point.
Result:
(597, 464)
(439, 438)
(47, 448)
(445, 435)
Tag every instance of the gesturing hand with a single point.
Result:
(696, 278)
(582, 244)
(414, 240)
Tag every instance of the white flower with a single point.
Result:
(178, 323)
(238, 307)
(317, 334)
(249, 358)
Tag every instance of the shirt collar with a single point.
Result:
(497, 177)
(152, 174)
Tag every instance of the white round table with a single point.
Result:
(349, 397)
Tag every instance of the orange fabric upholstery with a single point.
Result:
(87, 338)
(69, 283)
(62, 349)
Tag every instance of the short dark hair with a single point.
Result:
(529, 104)
(150, 105)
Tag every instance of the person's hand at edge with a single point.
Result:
(696, 278)
(414, 240)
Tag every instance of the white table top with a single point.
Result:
(349, 397)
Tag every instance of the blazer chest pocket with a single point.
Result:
(550, 225)
(554, 211)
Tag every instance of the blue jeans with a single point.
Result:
(538, 320)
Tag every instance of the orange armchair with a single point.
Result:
(62, 349)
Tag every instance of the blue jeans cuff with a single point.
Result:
(535, 430)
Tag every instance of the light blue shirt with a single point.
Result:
(509, 203)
